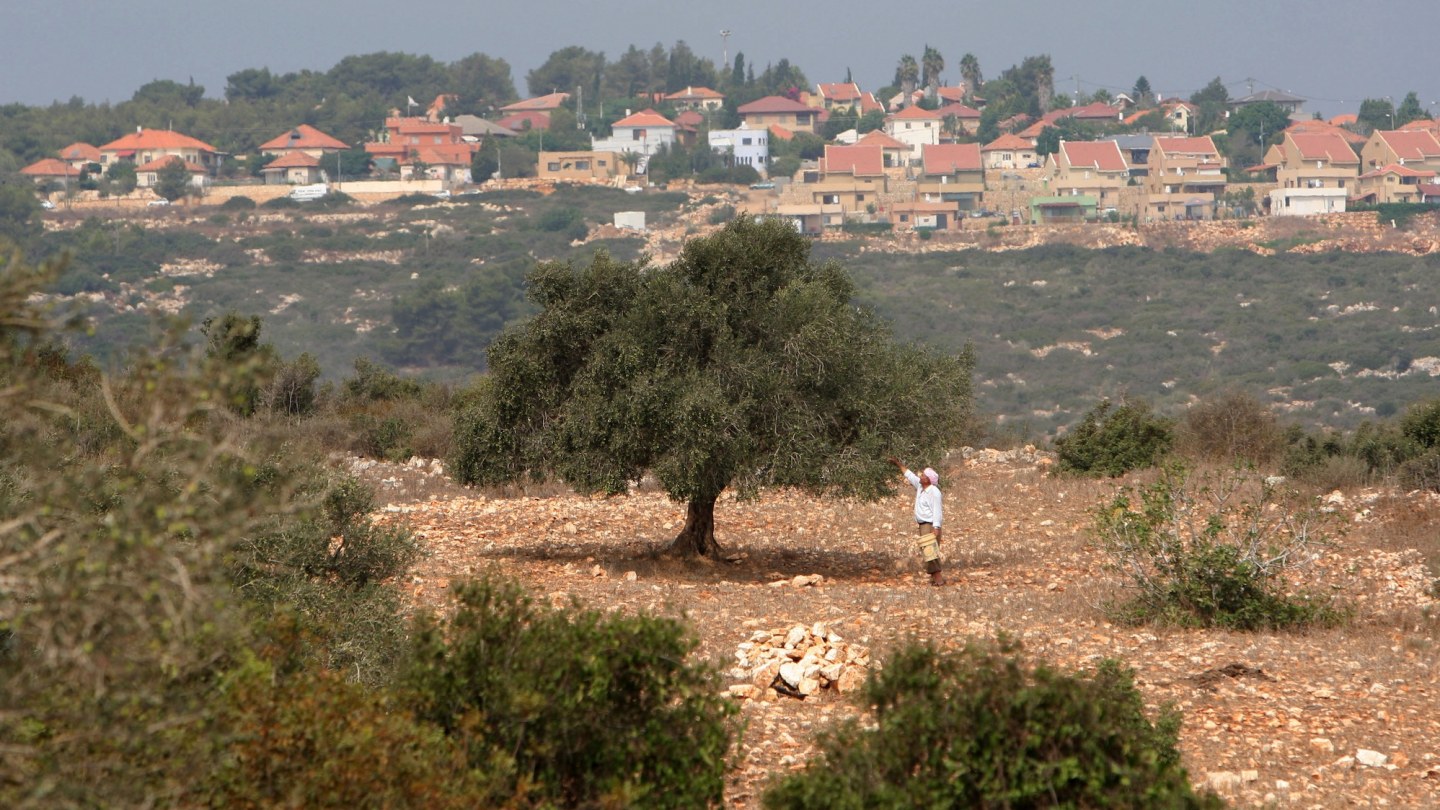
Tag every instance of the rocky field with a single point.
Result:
(812, 596)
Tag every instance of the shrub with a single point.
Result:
(1212, 553)
(1233, 426)
(977, 728)
(722, 214)
(238, 203)
(1421, 423)
(574, 708)
(373, 382)
(281, 203)
(1114, 440)
(1422, 472)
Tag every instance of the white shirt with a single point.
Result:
(927, 501)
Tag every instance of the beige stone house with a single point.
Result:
(849, 180)
(1094, 169)
(779, 111)
(1416, 148)
(1315, 172)
(1395, 183)
(1186, 176)
(951, 174)
(1009, 152)
(580, 166)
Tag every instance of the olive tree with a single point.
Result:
(742, 364)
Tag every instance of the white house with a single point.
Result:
(745, 146)
(915, 127)
(643, 133)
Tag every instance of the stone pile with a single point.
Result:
(798, 662)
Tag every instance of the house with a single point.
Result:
(304, 138)
(147, 175)
(920, 214)
(524, 120)
(1315, 172)
(896, 153)
(701, 99)
(848, 180)
(1416, 148)
(1285, 101)
(542, 106)
(643, 133)
(144, 146)
(1178, 115)
(953, 174)
(1136, 150)
(296, 168)
(1311, 126)
(449, 163)
(475, 128)
(950, 94)
(1009, 152)
(916, 127)
(780, 111)
(687, 127)
(743, 147)
(957, 118)
(1093, 169)
(80, 154)
(1063, 209)
(1394, 183)
(51, 170)
(580, 166)
(838, 97)
(404, 141)
(1185, 176)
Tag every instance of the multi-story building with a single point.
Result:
(1186, 176)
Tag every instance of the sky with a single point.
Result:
(1334, 53)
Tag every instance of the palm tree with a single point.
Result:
(970, 72)
(907, 73)
(932, 64)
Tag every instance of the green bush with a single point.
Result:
(1113, 440)
(1421, 423)
(1213, 552)
(373, 383)
(978, 728)
(281, 203)
(572, 708)
(1421, 472)
(722, 214)
(238, 203)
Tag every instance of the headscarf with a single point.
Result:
(933, 476)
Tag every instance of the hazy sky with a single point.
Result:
(1333, 52)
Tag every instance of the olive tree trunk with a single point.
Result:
(697, 539)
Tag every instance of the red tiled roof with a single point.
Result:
(780, 132)
(689, 119)
(861, 161)
(1397, 169)
(959, 111)
(421, 126)
(1411, 144)
(50, 167)
(538, 104)
(1324, 127)
(868, 103)
(774, 104)
(840, 91)
(1094, 111)
(1007, 141)
(1102, 156)
(445, 154)
(694, 94)
(1201, 145)
(646, 119)
(1329, 146)
(155, 139)
(879, 138)
(1034, 130)
(948, 158)
(916, 113)
(294, 160)
(302, 137)
(1427, 124)
(161, 162)
(954, 95)
(81, 151)
(1345, 118)
(517, 121)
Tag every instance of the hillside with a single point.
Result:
(1278, 719)
(1331, 320)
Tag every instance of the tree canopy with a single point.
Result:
(742, 364)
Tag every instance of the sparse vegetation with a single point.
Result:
(1112, 440)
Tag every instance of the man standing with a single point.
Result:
(928, 513)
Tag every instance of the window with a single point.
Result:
(600, 163)
(745, 141)
(582, 164)
(1007, 156)
(553, 166)
(859, 198)
(634, 134)
(830, 199)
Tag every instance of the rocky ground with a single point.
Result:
(1329, 718)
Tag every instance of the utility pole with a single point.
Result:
(725, 47)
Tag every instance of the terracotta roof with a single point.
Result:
(1329, 146)
(1396, 168)
(1095, 111)
(646, 119)
(1322, 127)
(155, 139)
(303, 137)
(868, 103)
(954, 95)
(1411, 144)
(774, 104)
(445, 154)
(879, 138)
(861, 161)
(694, 94)
(81, 151)
(1007, 141)
(421, 126)
(840, 91)
(777, 131)
(1345, 118)
(1427, 124)
(293, 160)
(1201, 145)
(1034, 130)
(958, 110)
(50, 167)
(915, 113)
(540, 103)
(1429, 189)
(1102, 156)
(948, 158)
(517, 121)
(161, 162)
(689, 119)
